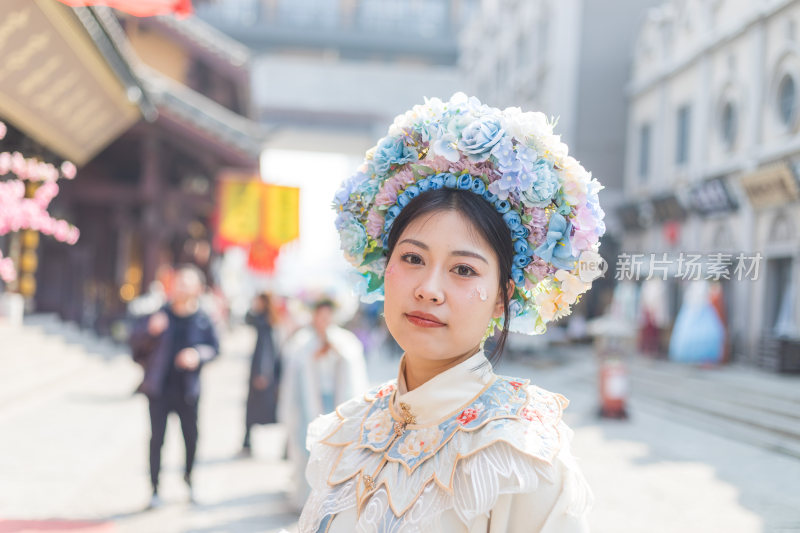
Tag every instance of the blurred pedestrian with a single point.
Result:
(325, 367)
(265, 370)
(172, 345)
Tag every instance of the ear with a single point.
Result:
(498, 304)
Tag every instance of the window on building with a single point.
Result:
(644, 151)
(787, 97)
(682, 141)
(728, 124)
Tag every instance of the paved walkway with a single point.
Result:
(73, 444)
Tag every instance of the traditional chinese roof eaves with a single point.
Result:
(209, 38)
(160, 92)
(215, 120)
(94, 21)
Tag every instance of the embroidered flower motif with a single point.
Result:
(419, 442)
(515, 384)
(467, 415)
(529, 414)
(379, 425)
(385, 391)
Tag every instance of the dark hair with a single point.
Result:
(323, 302)
(486, 221)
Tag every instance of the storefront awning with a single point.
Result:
(770, 186)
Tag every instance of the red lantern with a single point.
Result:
(140, 8)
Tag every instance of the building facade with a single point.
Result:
(569, 59)
(712, 155)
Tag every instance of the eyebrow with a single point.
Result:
(460, 253)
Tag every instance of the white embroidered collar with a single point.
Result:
(446, 393)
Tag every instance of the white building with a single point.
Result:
(571, 60)
(712, 152)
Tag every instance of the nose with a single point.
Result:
(430, 289)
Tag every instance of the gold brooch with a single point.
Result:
(408, 418)
(369, 483)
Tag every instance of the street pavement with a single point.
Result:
(73, 450)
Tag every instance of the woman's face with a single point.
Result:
(441, 287)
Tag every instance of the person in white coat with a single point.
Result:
(325, 367)
(466, 220)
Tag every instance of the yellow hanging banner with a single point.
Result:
(240, 204)
(280, 214)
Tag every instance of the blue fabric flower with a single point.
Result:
(513, 181)
(490, 197)
(512, 220)
(478, 186)
(505, 155)
(391, 151)
(478, 139)
(403, 200)
(520, 232)
(464, 182)
(521, 260)
(446, 146)
(521, 247)
(502, 206)
(353, 237)
(424, 184)
(348, 186)
(545, 185)
(368, 190)
(412, 192)
(518, 276)
(437, 182)
(393, 211)
(450, 181)
(556, 248)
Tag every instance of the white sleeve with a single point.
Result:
(560, 506)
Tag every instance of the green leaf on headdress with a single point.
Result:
(374, 255)
(374, 282)
(421, 170)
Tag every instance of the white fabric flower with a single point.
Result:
(571, 286)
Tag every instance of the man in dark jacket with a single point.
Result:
(172, 345)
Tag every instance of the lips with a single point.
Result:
(424, 320)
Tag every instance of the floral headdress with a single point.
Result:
(514, 161)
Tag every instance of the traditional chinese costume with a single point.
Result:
(467, 451)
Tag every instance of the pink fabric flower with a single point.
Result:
(539, 269)
(375, 222)
(391, 187)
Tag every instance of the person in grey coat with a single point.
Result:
(265, 371)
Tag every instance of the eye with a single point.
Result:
(465, 271)
(412, 259)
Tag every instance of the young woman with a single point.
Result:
(466, 219)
